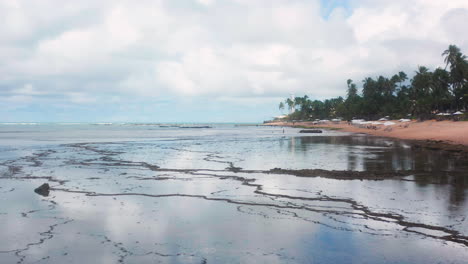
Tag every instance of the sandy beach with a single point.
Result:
(447, 131)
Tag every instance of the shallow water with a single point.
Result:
(148, 194)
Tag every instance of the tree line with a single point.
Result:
(424, 95)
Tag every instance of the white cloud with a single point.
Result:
(206, 2)
(19, 99)
(237, 48)
(80, 98)
(27, 90)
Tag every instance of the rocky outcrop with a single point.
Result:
(310, 131)
(43, 190)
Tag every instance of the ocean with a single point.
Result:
(226, 193)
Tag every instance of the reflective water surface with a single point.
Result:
(133, 193)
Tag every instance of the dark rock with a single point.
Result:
(43, 190)
(311, 131)
(195, 127)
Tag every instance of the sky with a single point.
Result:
(206, 60)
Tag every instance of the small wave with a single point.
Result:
(25, 124)
(68, 124)
(102, 124)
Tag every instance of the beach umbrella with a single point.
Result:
(389, 123)
(457, 113)
(440, 114)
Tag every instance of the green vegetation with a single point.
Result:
(426, 94)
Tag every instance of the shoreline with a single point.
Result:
(447, 135)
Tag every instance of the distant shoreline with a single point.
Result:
(434, 132)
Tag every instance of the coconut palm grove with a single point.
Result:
(399, 96)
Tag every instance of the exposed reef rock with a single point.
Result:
(195, 127)
(316, 131)
(43, 190)
(344, 175)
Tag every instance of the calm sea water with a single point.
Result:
(152, 193)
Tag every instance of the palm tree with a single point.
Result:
(440, 89)
(352, 89)
(422, 84)
(458, 72)
(451, 55)
(290, 104)
(402, 77)
(281, 107)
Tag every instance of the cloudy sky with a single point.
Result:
(206, 60)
